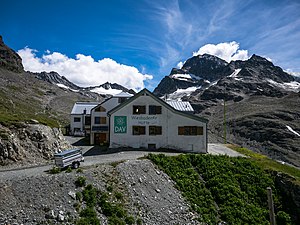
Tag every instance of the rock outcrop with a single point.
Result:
(9, 59)
(29, 143)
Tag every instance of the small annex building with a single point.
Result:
(146, 121)
(81, 118)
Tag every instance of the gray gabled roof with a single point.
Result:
(123, 94)
(181, 105)
(145, 91)
(79, 107)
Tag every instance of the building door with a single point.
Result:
(100, 138)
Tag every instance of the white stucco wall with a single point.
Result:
(76, 124)
(108, 105)
(168, 120)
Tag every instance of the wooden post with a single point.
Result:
(271, 206)
(224, 122)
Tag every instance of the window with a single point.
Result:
(87, 120)
(190, 130)
(138, 130)
(97, 120)
(154, 109)
(122, 99)
(77, 119)
(100, 120)
(155, 130)
(139, 109)
(100, 109)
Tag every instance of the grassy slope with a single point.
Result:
(221, 188)
(23, 97)
(268, 164)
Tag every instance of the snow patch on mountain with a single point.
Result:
(179, 93)
(66, 87)
(293, 131)
(289, 86)
(235, 73)
(103, 91)
(185, 77)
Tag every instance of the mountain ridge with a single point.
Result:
(262, 103)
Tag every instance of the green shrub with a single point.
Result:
(80, 182)
(88, 221)
(54, 170)
(79, 196)
(79, 170)
(69, 170)
(282, 218)
(109, 188)
(114, 220)
(89, 195)
(129, 220)
(139, 221)
(88, 212)
(118, 195)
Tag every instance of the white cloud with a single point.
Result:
(84, 70)
(227, 51)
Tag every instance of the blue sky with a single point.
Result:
(137, 43)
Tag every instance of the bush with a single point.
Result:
(114, 220)
(88, 212)
(118, 195)
(69, 170)
(282, 218)
(129, 220)
(89, 195)
(109, 188)
(79, 170)
(79, 196)
(54, 170)
(89, 216)
(80, 182)
(139, 221)
(88, 221)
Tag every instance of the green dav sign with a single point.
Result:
(120, 124)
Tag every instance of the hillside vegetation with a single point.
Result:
(220, 188)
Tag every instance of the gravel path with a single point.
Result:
(221, 149)
(96, 155)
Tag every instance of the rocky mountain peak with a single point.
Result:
(54, 78)
(9, 59)
(261, 68)
(206, 66)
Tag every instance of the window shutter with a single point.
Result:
(180, 130)
(199, 130)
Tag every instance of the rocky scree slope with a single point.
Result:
(147, 194)
(262, 102)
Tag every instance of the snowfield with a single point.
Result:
(103, 91)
